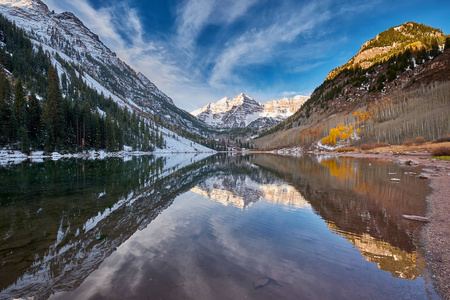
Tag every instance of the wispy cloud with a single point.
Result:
(293, 93)
(258, 46)
(194, 15)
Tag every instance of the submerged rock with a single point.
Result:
(261, 282)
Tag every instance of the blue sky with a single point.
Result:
(198, 51)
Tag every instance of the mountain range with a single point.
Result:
(375, 97)
(244, 111)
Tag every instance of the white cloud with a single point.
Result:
(289, 93)
(194, 15)
(258, 46)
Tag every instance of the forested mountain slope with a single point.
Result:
(394, 93)
(86, 97)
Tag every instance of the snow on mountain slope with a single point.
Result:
(244, 111)
(243, 192)
(66, 38)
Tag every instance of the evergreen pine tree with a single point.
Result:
(34, 117)
(52, 113)
(13, 127)
(24, 143)
(447, 43)
(19, 103)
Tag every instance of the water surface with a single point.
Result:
(258, 227)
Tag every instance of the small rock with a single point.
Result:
(410, 173)
(421, 176)
(395, 179)
(261, 282)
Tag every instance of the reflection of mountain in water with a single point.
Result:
(241, 191)
(398, 262)
(357, 197)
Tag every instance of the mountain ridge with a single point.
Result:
(244, 111)
(70, 45)
(396, 39)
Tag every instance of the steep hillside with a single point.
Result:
(90, 79)
(244, 111)
(409, 36)
(378, 98)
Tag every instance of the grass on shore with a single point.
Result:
(446, 158)
(426, 147)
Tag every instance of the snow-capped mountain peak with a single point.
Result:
(243, 111)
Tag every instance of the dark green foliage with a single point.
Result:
(5, 109)
(19, 103)
(447, 43)
(34, 117)
(392, 74)
(434, 48)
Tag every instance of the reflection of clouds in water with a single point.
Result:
(243, 192)
(200, 249)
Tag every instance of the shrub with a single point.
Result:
(442, 139)
(419, 140)
(408, 143)
(441, 151)
(346, 149)
(381, 144)
(367, 146)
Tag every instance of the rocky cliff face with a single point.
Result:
(285, 106)
(244, 111)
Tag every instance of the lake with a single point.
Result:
(218, 227)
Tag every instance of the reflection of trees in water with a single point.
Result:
(75, 213)
(360, 203)
(365, 202)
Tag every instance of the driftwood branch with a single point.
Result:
(416, 218)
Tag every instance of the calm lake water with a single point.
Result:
(224, 227)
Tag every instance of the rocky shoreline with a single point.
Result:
(435, 235)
